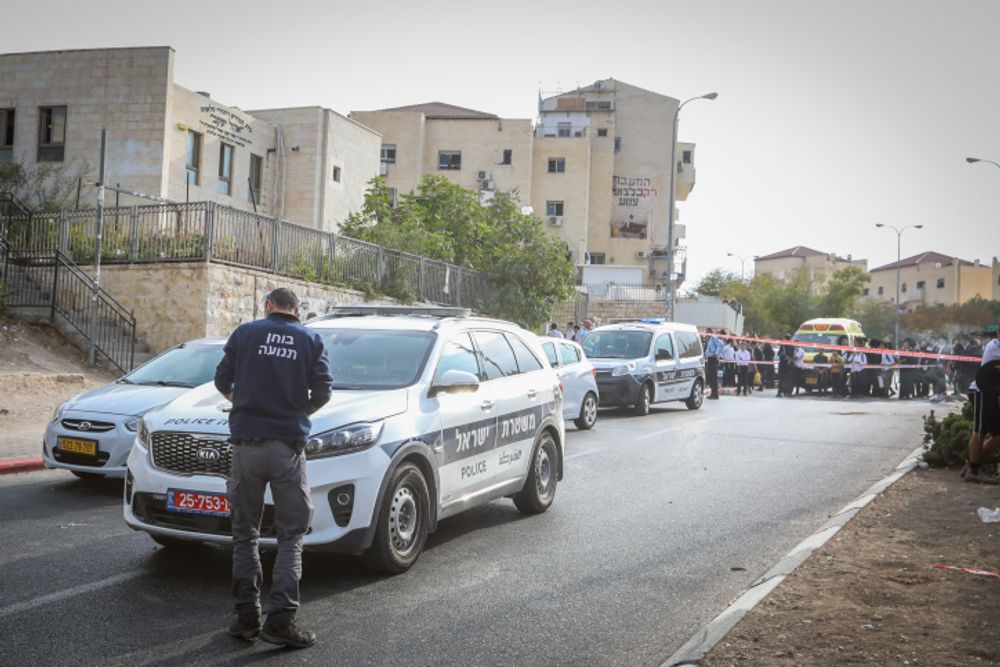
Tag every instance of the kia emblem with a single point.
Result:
(209, 454)
(85, 426)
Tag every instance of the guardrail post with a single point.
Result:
(133, 234)
(333, 256)
(275, 241)
(380, 269)
(209, 230)
(458, 286)
(63, 242)
(420, 278)
(55, 285)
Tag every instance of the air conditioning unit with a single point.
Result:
(641, 254)
(484, 176)
(486, 184)
(555, 220)
(383, 168)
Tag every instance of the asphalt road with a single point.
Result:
(659, 523)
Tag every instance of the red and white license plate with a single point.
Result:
(197, 502)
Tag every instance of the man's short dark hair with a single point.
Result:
(284, 299)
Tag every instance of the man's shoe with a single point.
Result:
(280, 629)
(247, 625)
(966, 469)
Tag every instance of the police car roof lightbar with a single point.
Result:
(362, 311)
(641, 320)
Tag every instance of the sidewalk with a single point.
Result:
(871, 595)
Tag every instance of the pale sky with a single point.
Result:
(832, 114)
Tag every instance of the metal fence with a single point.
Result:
(623, 292)
(205, 231)
(48, 279)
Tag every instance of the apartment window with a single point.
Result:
(389, 153)
(193, 159)
(557, 165)
(920, 284)
(564, 129)
(51, 134)
(507, 156)
(618, 144)
(6, 134)
(554, 208)
(881, 291)
(449, 160)
(597, 258)
(902, 288)
(256, 176)
(225, 169)
(336, 174)
(940, 283)
(602, 131)
(686, 157)
(864, 292)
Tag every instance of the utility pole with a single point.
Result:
(103, 176)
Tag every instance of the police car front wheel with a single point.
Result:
(540, 487)
(401, 528)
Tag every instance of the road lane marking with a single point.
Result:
(576, 455)
(42, 600)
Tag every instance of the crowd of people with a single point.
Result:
(574, 332)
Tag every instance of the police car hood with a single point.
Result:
(205, 410)
(123, 399)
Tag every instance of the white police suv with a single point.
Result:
(433, 412)
(646, 361)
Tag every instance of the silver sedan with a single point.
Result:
(577, 376)
(92, 433)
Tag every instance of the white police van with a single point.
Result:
(646, 361)
(433, 412)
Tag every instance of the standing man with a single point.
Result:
(713, 348)
(984, 394)
(554, 331)
(276, 372)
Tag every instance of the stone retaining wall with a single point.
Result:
(601, 311)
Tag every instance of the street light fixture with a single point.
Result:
(973, 160)
(899, 243)
(742, 261)
(671, 284)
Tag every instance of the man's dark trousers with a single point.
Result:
(255, 464)
(712, 371)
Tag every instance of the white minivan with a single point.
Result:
(641, 362)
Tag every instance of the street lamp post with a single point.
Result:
(742, 261)
(671, 286)
(973, 160)
(899, 245)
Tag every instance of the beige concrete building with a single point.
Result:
(307, 165)
(594, 166)
(931, 279)
(818, 266)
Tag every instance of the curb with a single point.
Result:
(705, 639)
(28, 464)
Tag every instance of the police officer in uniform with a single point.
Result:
(276, 372)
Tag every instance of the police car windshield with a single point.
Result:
(617, 344)
(366, 359)
(185, 366)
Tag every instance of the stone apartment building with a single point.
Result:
(595, 165)
(818, 266)
(931, 279)
(309, 165)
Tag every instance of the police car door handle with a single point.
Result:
(532, 393)
(486, 405)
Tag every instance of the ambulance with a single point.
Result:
(824, 331)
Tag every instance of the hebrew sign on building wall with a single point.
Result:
(632, 200)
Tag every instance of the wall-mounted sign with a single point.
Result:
(633, 197)
(226, 125)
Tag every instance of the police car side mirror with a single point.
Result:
(454, 382)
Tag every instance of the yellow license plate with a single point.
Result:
(86, 447)
(810, 380)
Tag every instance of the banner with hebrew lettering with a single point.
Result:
(632, 200)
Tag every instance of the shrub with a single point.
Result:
(946, 441)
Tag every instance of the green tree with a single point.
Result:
(47, 187)
(715, 282)
(444, 221)
(876, 318)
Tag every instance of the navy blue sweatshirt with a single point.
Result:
(278, 372)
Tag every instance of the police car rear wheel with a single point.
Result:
(588, 413)
(402, 523)
(642, 402)
(540, 488)
(697, 396)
